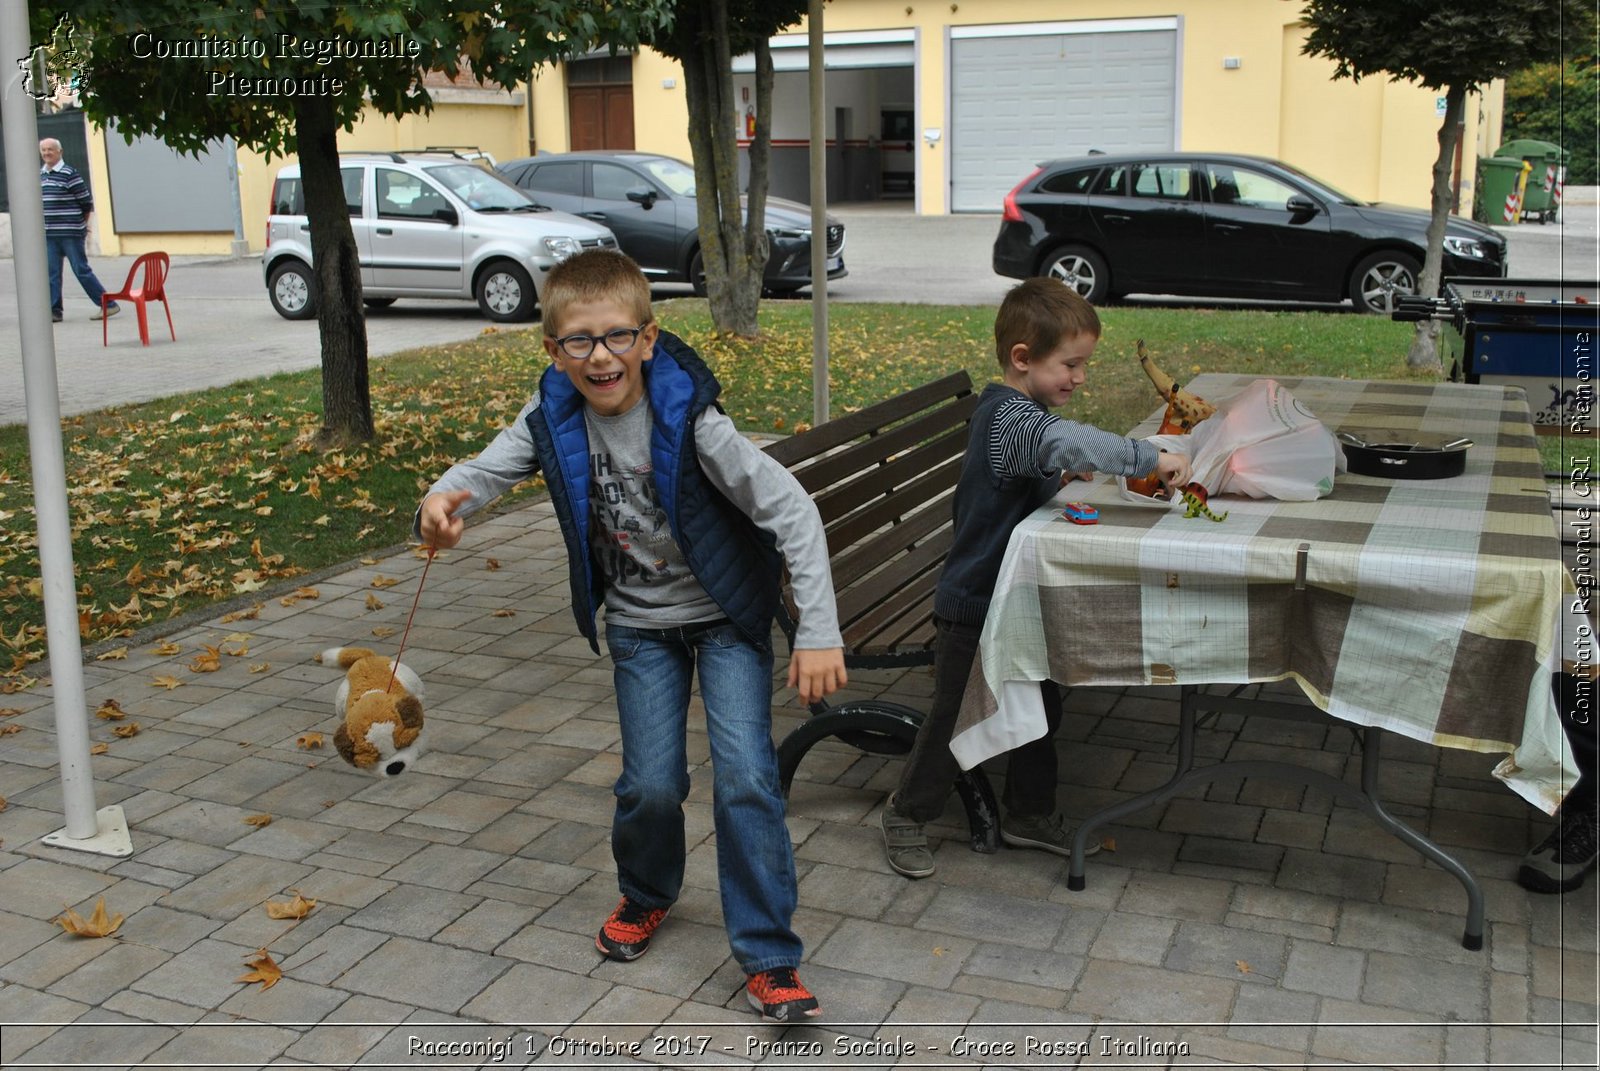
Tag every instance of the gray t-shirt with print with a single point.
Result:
(648, 583)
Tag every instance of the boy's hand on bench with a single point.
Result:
(439, 526)
(816, 673)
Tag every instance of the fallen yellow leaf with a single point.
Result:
(258, 820)
(298, 908)
(111, 710)
(260, 667)
(116, 654)
(1244, 968)
(125, 731)
(167, 681)
(10, 730)
(383, 632)
(2, 803)
(98, 924)
(166, 649)
(503, 612)
(373, 602)
(209, 662)
(242, 615)
(381, 581)
(100, 749)
(491, 564)
(267, 971)
(9, 712)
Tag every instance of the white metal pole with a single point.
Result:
(40, 388)
(819, 216)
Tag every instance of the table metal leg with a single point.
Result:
(1366, 797)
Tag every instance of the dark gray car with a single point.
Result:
(648, 201)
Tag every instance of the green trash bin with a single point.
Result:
(1538, 199)
(1497, 188)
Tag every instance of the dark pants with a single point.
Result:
(1575, 699)
(930, 771)
(57, 246)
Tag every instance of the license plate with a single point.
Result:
(835, 263)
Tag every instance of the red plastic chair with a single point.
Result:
(152, 286)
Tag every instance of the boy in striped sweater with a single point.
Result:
(1018, 455)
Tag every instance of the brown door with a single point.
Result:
(619, 117)
(601, 117)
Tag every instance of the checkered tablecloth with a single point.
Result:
(1426, 607)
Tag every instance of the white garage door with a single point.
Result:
(1022, 95)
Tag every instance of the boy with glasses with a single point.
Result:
(680, 527)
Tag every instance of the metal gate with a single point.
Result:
(66, 127)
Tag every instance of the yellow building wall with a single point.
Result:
(1376, 139)
(497, 128)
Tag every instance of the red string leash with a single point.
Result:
(423, 579)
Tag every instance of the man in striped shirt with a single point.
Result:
(67, 205)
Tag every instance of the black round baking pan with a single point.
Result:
(1395, 456)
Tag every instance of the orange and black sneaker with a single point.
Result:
(626, 934)
(779, 997)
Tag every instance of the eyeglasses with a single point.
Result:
(617, 342)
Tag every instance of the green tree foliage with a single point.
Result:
(288, 75)
(704, 36)
(1557, 102)
(1455, 48)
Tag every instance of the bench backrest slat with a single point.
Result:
(883, 479)
(832, 433)
(889, 446)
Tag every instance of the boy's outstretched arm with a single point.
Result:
(817, 673)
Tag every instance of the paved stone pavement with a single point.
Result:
(1253, 923)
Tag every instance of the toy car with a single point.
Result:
(1080, 513)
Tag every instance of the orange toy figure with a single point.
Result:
(1184, 411)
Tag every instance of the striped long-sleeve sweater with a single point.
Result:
(67, 202)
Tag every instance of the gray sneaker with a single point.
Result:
(905, 843)
(1558, 863)
(1048, 832)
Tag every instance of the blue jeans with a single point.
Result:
(755, 861)
(70, 246)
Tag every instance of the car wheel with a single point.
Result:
(293, 291)
(377, 302)
(505, 292)
(1381, 279)
(697, 273)
(1082, 269)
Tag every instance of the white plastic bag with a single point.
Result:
(1262, 443)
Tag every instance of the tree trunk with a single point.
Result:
(341, 322)
(733, 248)
(1424, 351)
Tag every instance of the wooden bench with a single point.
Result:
(883, 479)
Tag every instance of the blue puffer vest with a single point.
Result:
(736, 562)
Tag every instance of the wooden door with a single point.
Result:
(601, 116)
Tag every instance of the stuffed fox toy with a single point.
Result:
(382, 728)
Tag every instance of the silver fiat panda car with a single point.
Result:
(427, 225)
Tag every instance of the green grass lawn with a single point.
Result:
(197, 499)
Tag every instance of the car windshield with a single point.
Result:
(675, 175)
(1319, 187)
(483, 191)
